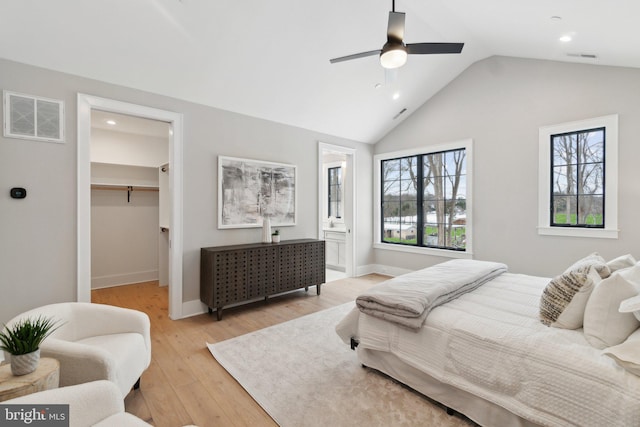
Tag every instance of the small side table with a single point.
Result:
(46, 377)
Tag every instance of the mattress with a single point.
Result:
(490, 343)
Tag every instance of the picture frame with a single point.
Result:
(250, 190)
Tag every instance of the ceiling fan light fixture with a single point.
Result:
(393, 55)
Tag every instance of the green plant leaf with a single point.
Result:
(26, 334)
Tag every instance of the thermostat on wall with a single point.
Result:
(18, 193)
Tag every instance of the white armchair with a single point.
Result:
(98, 403)
(96, 342)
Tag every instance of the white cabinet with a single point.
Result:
(335, 249)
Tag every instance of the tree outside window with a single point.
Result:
(577, 179)
(424, 200)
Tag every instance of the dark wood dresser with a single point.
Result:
(240, 273)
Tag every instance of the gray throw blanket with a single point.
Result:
(408, 299)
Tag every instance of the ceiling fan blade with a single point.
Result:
(355, 56)
(434, 48)
(395, 29)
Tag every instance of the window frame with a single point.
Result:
(610, 190)
(467, 145)
(338, 188)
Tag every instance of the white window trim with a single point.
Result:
(610, 231)
(467, 144)
(325, 177)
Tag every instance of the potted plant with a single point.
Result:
(275, 236)
(22, 340)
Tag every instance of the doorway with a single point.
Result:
(337, 208)
(86, 104)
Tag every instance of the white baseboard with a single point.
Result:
(193, 308)
(112, 280)
(381, 269)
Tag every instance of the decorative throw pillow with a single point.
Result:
(631, 305)
(627, 354)
(604, 325)
(594, 260)
(621, 262)
(564, 299)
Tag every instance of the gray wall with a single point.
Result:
(38, 234)
(500, 103)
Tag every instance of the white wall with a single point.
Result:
(38, 244)
(124, 237)
(500, 103)
(128, 149)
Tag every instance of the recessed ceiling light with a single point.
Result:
(396, 95)
(111, 122)
(566, 38)
(556, 18)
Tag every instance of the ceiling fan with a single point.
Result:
(394, 52)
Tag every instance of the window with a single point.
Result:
(424, 199)
(578, 178)
(335, 191)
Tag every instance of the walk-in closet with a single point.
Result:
(129, 200)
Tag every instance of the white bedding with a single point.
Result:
(408, 299)
(490, 343)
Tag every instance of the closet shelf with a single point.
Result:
(125, 187)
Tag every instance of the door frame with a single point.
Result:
(350, 205)
(86, 103)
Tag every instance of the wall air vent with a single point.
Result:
(399, 114)
(33, 117)
(583, 55)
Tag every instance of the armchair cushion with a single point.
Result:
(97, 341)
(97, 403)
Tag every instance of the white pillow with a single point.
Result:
(594, 260)
(621, 262)
(627, 354)
(631, 305)
(604, 325)
(563, 301)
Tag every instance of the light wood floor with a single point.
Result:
(184, 384)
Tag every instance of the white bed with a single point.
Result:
(487, 355)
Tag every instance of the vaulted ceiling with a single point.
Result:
(270, 59)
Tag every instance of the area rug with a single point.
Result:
(303, 375)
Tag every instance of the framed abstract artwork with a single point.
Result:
(250, 190)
